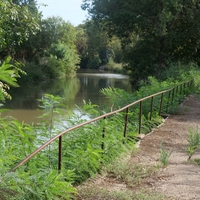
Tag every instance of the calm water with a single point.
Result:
(85, 86)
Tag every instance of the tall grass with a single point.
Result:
(164, 156)
(193, 142)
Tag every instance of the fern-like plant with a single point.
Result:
(8, 77)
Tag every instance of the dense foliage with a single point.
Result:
(96, 48)
(51, 53)
(85, 150)
(47, 47)
(16, 24)
(51, 48)
(145, 37)
(153, 33)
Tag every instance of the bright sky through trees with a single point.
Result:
(69, 10)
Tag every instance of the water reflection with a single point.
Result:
(91, 83)
(84, 86)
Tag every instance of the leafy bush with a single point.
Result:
(35, 184)
(83, 153)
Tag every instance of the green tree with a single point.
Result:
(164, 31)
(63, 45)
(81, 45)
(16, 24)
(52, 51)
(95, 46)
(97, 41)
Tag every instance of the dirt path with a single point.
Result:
(180, 180)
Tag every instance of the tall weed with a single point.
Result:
(193, 142)
(164, 156)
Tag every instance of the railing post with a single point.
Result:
(179, 98)
(60, 154)
(103, 136)
(172, 95)
(140, 118)
(191, 84)
(180, 93)
(169, 94)
(176, 90)
(184, 87)
(161, 102)
(181, 89)
(126, 122)
(151, 111)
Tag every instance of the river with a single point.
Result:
(85, 86)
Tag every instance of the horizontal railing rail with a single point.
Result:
(171, 95)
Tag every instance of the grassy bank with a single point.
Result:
(83, 156)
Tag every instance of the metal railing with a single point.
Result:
(177, 90)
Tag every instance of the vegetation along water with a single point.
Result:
(154, 43)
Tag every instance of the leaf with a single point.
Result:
(8, 74)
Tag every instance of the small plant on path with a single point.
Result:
(193, 142)
(164, 156)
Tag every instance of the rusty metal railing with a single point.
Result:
(179, 89)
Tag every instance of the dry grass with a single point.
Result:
(122, 180)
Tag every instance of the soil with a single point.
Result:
(180, 179)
